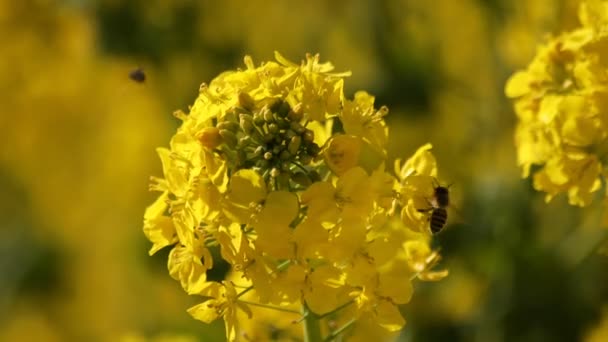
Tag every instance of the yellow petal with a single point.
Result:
(158, 228)
(518, 84)
(342, 153)
(205, 312)
(389, 317)
(280, 207)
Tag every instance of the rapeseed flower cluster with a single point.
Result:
(560, 101)
(285, 176)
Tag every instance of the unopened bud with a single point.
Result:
(296, 127)
(294, 144)
(228, 125)
(305, 158)
(244, 141)
(273, 128)
(268, 115)
(210, 137)
(228, 137)
(283, 124)
(309, 136)
(246, 101)
(259, 151)
(283, 109)
(268, 155)
(302, 179)
(246, 123)
(274, 173)
(296, 113)
(313, 149)
(268, 138)
(258, 119)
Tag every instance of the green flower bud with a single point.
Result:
(259, 151)
(305, 158)
(210, 137)
(246, 123)
(309, 136)
(273, 128)
(246, 101)
(283, 109)
(302, 179)
(294, 144)
(296, 113)
(274, 173)
(228, 137)
(228, 125)
(268, 116)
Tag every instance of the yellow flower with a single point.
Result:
(303, 226)
(190, 267)
(158, 227)
(360, 118)
(222, 303)
(559, 101)
(272, 225)
(325, 289)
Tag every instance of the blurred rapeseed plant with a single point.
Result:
(274, 167)
(560, 101)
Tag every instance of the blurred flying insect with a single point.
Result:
(438, 207)
(138, 75)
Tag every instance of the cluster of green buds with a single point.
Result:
(271, 140)
(282, 175)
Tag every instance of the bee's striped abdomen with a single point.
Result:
(439, 216)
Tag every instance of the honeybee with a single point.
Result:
(137, 75)
(438, 209)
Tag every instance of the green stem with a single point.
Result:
(337, 309)
(312, 328)
(337, 333)
(273, 307)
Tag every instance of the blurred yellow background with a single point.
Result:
(79, 139)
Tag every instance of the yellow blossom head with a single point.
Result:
(562, 128)
(283, 174)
